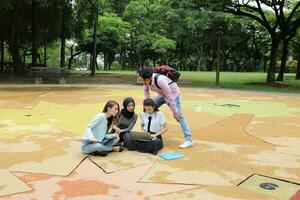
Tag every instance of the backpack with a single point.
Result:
(167, 71)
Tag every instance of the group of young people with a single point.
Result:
(110, 130)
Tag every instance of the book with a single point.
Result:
(171, 156)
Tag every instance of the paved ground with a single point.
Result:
(247, 146)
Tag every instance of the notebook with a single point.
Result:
(141, 136)
(171, 156)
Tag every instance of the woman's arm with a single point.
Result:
(116, 129)
(98, 119)
(110, 135)
(131, 125)
(164, 129)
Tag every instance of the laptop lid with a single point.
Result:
(141, 136)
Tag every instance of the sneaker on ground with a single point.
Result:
(186, 144)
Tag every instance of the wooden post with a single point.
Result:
(220, 32)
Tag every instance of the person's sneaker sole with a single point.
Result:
(186, 147)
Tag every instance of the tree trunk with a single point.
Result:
(33, 32)
(14, 39)
(166, 59)
(2, 55)
(284, 55)
(72, 57)
(131, 52)
(97, 68)
(16, 57)
(186, 68)
(298, 67)
(265, 64)
(122, 56)
(94, 53)
(181, 52)
(106, 63)
(24, 55)
(91, 61)
(63, 39)
(273, 59)
(45, 45)
(39, 57)
(200, 53)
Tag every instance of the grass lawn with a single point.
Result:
(230, 80)
(240, 80)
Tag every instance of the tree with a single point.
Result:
(111, 36)
(284, 24)
(163, 46)
(296, 47)
(88, 14)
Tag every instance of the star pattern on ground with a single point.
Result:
(88, 181)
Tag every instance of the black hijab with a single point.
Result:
(124, 111)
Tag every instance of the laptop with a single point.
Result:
(141, 136)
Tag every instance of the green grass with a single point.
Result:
(230, 80)
(240, 80)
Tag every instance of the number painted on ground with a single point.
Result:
(268, 186)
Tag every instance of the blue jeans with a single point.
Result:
(183, 123)
(105, 145)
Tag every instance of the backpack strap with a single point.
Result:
(156, 82)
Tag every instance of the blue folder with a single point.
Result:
(171, 156)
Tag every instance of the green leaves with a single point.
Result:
(163, 45)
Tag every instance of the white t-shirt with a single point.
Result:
(157, 121)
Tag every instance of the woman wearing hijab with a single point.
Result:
(127, 118)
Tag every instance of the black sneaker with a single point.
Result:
(101, 154)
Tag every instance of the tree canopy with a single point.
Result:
(257, 35)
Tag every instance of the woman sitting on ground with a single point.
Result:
(127, 118)
(96, 139)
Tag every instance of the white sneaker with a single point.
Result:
(186, 144)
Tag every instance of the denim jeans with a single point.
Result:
(105, 145)
(183, 123)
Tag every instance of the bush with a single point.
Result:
(290, 67)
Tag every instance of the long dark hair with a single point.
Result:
(111, 120)
(150, 102)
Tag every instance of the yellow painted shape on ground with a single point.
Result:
(47, 116)
(227, 107)
(20, 99)
(276, 188)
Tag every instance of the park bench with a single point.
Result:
(44, 72)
